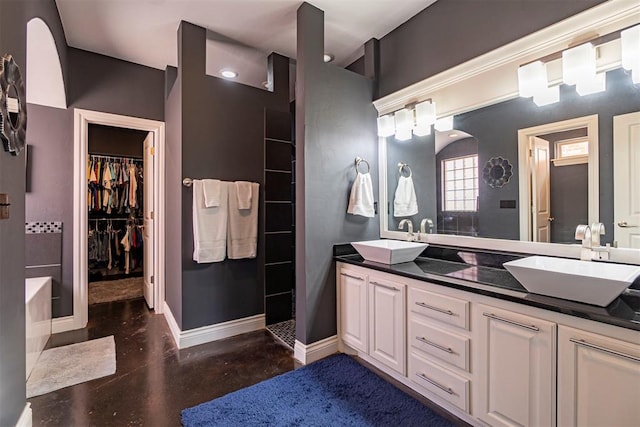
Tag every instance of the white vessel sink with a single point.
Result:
(594, 283)
(389, 251)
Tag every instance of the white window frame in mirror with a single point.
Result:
(465, 88)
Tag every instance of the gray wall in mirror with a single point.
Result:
(496, 129)
(419, 154)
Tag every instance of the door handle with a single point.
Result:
(550, 219)
(624, 224)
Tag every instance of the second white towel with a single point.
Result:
(242, 236)
(405, 202)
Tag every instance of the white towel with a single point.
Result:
(361, 197)
(405, 202)
(242, 237)
(211, 189)
(243, 191)
(209, 225)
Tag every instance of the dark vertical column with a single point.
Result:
(310, 38)
(372, 63)
(12, 241)
(279, 237)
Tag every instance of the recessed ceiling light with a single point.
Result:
(229, 74)
(453, 135)
(328, 57)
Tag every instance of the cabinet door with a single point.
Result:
(387, 323)
(598, 380)
(516, 371)
(353, 310)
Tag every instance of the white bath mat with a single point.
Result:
(72, 364)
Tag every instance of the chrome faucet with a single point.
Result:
(590, 237)
(423, 225)
(409, 227)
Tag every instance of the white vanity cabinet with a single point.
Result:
(372, 318)
(516, 368)
(353, 312)
(598, 380)
(387, 322)
(439, 345)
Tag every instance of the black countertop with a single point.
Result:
(465, 269)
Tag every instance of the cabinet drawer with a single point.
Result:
(439, 381)
(452, 311)
(451, 348)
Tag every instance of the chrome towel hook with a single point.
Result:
(359, 160)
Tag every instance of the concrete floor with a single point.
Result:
(154, 380)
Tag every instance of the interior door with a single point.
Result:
(148, 242)
(540, 190)
(626, 180)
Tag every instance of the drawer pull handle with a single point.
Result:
(438, 346)
(511, 322)
(353, 277)
(606, 350)
(435, 383)
(391, 288)
(430, 307)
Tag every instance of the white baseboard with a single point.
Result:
(64, 324)
(205, 334)
(171, 321)
(308, 353)
(25, 419)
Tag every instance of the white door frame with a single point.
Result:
(82, 120)
(524, 167)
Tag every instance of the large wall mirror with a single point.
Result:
(515, 171)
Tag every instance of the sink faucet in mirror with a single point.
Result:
(409, 228)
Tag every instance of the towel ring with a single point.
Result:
(406, 168)
(359, 160)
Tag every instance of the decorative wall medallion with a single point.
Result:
(13, 130)
(497, 172)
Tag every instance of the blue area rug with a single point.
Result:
(336, 391)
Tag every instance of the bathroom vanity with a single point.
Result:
(456, 327)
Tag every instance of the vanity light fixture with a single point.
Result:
(425, 115)
(228, 74)
(386, 125)
(630, 51)
(404, 124)
(444, 124)
(579, 68)
(532, 82)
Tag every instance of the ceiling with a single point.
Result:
(241, 32)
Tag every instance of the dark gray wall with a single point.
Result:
(419, 153)
(335, 122)
(114, 141)
(450, 32)
(13, 18)
(223, 138)
(496, 128)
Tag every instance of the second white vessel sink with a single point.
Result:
(389, 251)
(596, 283)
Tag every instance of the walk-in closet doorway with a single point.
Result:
(151, 213)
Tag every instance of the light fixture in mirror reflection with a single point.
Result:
(491, 133)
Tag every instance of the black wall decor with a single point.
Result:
(13, 129)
